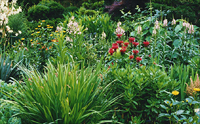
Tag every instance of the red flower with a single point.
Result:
(146, 43)
(141, 64)
(123, 49)
(119, 35)
(135, 52)
(149, 55)
(138, 59)
(131, 56)
(115, 46)
(135, 44)
(111, 51)
(119, 42)
(131, 39)
(126, 44)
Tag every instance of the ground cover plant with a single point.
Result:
(88, 68)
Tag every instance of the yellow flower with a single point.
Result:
(23, 39)
(39, 26)
(186, 100)
(51, 34)
(170, 104)
(47, 25)
(51, 26)
(64, 31)
(36, 28)
(31, 34)
(196, 89)
(31, 40)
(56, 31)
(38, 32)
(43, 20)
(175, 92)
(167, 102)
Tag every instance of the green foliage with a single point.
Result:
(141, 88)
(37, 12)
(45, 10)
(18, 22)
(71, 9)
(7, 68)
(7, 110)
(94, 5)
(180, 9)
(62, 95)
(182, 74)
(179, 111)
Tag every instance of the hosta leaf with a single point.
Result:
(177, 43)
(178, 28)
(163, 115)
(179, 112)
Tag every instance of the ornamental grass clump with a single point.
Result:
(63, 95)
(194, 87)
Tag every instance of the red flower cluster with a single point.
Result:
(111, 51)
(131, 39)
(138, 59)
(123, 49)
(135, 44)
(131, 56)
(119, 35)
(120, 42)
(126, 44)
(146, 43)
(135, 52)
(115, 46)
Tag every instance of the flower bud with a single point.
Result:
(173, 22)
(139, 29)
(165, 23)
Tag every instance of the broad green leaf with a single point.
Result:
(177, 43)
(178, 28)
(179, 112)
(163, 115)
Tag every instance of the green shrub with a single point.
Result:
(17, 23)
(71, 9)
(37, 12)
(7, 110)
(142, 90)
(45, 10)
(180, 9)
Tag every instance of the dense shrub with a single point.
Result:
(37, 12)
(45, 10)
(180, 9)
